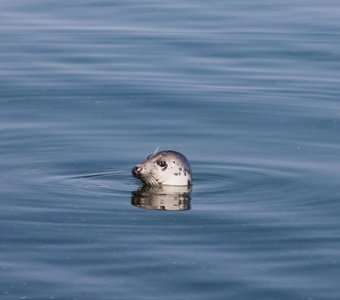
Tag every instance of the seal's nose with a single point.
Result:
(136, 170)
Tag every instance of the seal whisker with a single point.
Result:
(157, 149)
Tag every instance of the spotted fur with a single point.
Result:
(164, 168)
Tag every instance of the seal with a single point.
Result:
(164, 168)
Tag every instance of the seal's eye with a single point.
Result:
(161, 163)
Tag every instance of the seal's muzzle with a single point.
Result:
(136, 170)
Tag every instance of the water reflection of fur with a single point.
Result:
(170, 198)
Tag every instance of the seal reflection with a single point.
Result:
(170, 198)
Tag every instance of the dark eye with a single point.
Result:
(161, 163)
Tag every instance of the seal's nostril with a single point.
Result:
(136, 170)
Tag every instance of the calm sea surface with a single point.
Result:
(248, 90)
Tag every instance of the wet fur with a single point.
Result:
(164, 168)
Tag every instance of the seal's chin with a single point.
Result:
(150, 180)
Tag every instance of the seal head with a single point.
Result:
(164, 168)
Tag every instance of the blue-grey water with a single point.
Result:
(248, 90)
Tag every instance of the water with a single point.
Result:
(248, 91)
